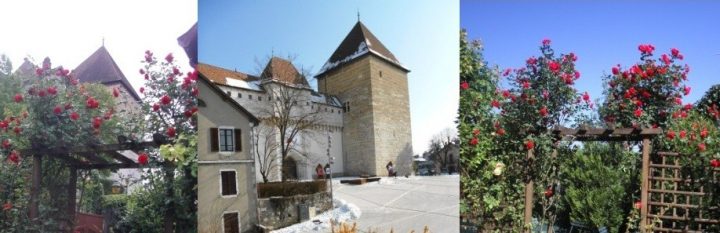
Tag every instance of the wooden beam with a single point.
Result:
(72, 195)
(108, 166)
(70, 160)
(529, 189)
(121, 158)
(34, 212)
(92, 157)
(102, 148)
(645, 185)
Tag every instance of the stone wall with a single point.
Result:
(391, 117)
(377, 127)
(351, 84)
(279, 212)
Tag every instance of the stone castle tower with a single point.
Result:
(373, 87)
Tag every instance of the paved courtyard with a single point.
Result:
(406, 204)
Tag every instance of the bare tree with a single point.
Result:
(265, 145)
(441, 146)
(291, 111)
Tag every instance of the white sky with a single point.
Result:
(70, 31)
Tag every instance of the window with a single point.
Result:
(249, 96)
(259, 98)
(225, 139)
(231, 223)
(228, 184)
(346, 107)
(239, 95)
(381, 73)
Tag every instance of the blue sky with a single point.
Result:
(423, 35)
(600, 34)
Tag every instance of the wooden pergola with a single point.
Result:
(602, 134)
(83, 157)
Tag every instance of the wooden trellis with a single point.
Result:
(674, 200)
(82, 157)
(602, 134)
(655, 191)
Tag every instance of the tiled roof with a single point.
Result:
(101, 68)
(283, 71)
(220, 75)
(358, 42)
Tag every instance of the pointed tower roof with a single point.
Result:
(284, 71)
(101, 68)
(26, 68)
(359, 42)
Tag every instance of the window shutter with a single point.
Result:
(214, 145)
(238, 140)
(229, 186)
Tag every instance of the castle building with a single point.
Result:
(360, 112)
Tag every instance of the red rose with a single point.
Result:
(97, 122)
(525, 84)
(194, 110)
(495, 104)
(546, 42)
(91, 103)
(142, 159)
(169, 58)
(531, 61)
(14, 157)
(665, 59)
(507, 72)
(549, 192)
(554, 66)
(683, 134)
(715, 163)
(142, 90)
(464, 85)
(686, 90)
(500, 131)
(688, 106)
(543, 111)
(473, 141)
(7, 206)
(171, 132)
(704, 133)
(42, 93)
(675, 52)
(116, 92)
(646, 49)
(670, 135)
(188, 113)
(638, 112)
(165, 100)
(39, 72)
(529, 144)
(17, 130)
(586, 97)
(74, 116)
(52, 90)
(156, 107)
(18, 98)
(57, 110)
(678, 101)
(701, 147)
(195, 91)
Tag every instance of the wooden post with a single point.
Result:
(529, 188)
(72, 195)
(169, 218)
(35, 188)
(645, 188)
